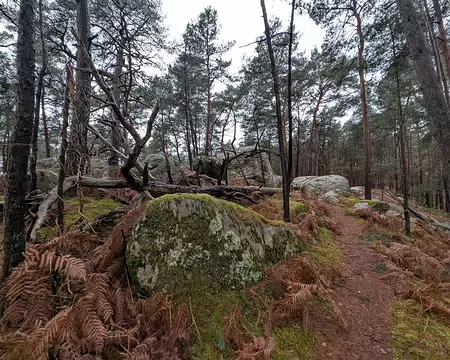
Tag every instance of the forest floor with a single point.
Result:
(363, 300)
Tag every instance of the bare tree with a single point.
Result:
(281, 137)
(19, 147)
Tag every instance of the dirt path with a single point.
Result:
(363, 299)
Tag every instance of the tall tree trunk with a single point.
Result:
(208, 145)
(39, 92)
(289, 102)
(68, 95)
(434, 100)
(19, 147)
(443, 40)
(365, 115)
(315, 136)
(281, 139)
(402, 135)
(77, 153)
(113, 159)
(163, 145)
(45, 125)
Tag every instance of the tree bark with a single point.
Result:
(443, 40)
(39, 93)
(434, 100)
(365, 115)
(77, 153)
(62, 154)
(19, 147)
(281, 138)
(402, 135)
(289, 104)
(45, 125)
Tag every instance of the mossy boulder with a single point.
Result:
(185, 240)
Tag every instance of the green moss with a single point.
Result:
(91, 209)
(326, 252)
(380, 268)
(298, 207)
(292, 343)
(418, 337)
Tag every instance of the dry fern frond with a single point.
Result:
(259, 349)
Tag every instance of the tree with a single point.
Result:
(202, 37)
(281, 136)
(433, 97)
(19, 149)
(77, 153)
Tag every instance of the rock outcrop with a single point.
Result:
(183, 241)
(157, 166)
(316, 186)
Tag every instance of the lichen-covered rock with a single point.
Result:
(46, 180)
(184, 240)
(358, 191)
(331, 197)
(256, 167)
(157, 166)
(392, 214)
(47, 163)
(362, 205)
(316, 186)
(208, 165)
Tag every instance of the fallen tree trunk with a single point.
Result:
(156, 189)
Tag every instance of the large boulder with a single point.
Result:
(316, 186)
(183, 241)
(157, 166)
(253, 166)
(208, 165)
(47, 163)
(46, 180)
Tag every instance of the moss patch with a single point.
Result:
(326, 252)
(418, 337)
(91, 209)
(292, 343)
(376, 238)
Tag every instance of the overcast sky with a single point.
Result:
(241, 21)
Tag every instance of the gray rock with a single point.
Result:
(331, 197)
(277, 180)
(316, 186)
(157, 166)
(362, 205)
(46, 180)
(256, 168)
(358, 191)
(97, 167)
(47, 163)
(208, 165)
(187, 240)
(392, 213)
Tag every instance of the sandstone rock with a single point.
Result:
(46, 180)
(358, 191)
(316, 186)
(362, 205)
(392, 213)
(208, 165)
(256, 168)
(331, 197)
(157, 166)
(186, 240)
(47, 163)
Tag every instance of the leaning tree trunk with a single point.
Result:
(281, 138)
(19, 149)
(77, 153)
(365, 115)
(434, 100)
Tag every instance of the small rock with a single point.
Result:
(331, 197)
(361, 205)
(392, 214)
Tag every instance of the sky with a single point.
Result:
(241, 21)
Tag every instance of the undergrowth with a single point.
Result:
(71, 299)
